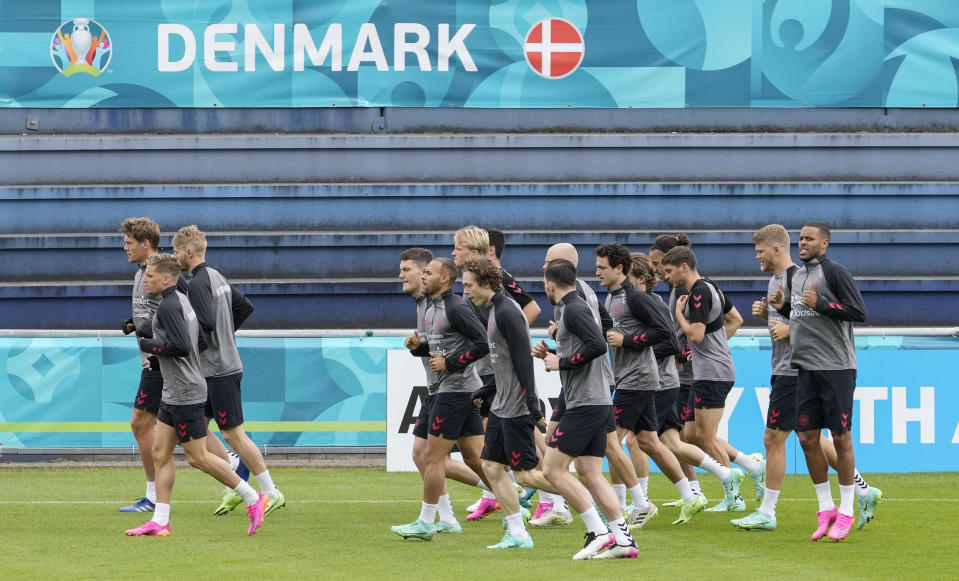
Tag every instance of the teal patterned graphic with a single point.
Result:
(479, 53)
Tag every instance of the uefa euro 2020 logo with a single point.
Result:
(81, 45)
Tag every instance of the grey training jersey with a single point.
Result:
(509, 353)
(593, 303)
(422, 302)
(183, 382)
(668, 374)
(582, 380)
(712, 360)
(634, 364)
(822, 338)
(454, 332)
(211, 295)
(144, 304)
(782, 350)
(685, 370)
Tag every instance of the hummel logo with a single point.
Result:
(181, 429)
(845, 416)
(465, 358)
(515, 458)
(698, 301)
(142, 397)
(222, 418)
(775, 413)
(577, 359)
(437, 424)
(556, 436)
(699, 400)
(617, 411)
(835, 306)
(643, 337)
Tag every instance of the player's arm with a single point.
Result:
(850, 306)
(695, 326)
(128, 326)
(169, 317)
(201, 299)
(580, 322)
(605, 319)
(464, 320)
(654, 325)
(241, 306)
(517, 337)
(732, 321)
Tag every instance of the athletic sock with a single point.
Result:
(685, 490)
(161, 514)
(715, 468)
(846, 497)
(234, 459)
(862, 489)
(824, 494)
(639, 497)
(594, 524)
(750, 464)
(559, 504)
(644, 484)
(620, 490)
(482, 486)
(428, 513)
(512, 477)
(621, 532)
(247, 493)
(694, 486)
(445, 508)
(488, 494)
(151, 494)
(516, 526)
(546, 497)
(768, 507)
(266, 484)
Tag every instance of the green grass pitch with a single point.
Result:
(62, 523)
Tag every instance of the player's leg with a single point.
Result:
(867, 497)
(590, 470)
(143, 421)
(164, 442)
(837, 392)
(764, 518)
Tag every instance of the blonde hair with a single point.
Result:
(472, 238)
(643, 266)
(165, 264)
(190, 237)
(773, 234)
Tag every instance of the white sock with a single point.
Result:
(824, 494)
(639, 497)
(846, 497)
(715, 468)
(445, 508)
(516, 526)
(620, 490)
(234, 459)
(594, 524)
(644, 484)
(266, 484)
(545, 497)
(151, 494)
(488, 494)
(621, 532)
(770, 498)
(246, 491)
(512, 476)
(685, 490)
(694, 486)
(750, 464)
(862, 489)
(428, 513)
(161, 514)
(559, 504)
(482, 486)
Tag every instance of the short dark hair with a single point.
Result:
(420, 256)
(448, 267)
(487, 274)
(666, 242)
(616, 254)
(561, 272)
(497, 241)
(680, 255)
(821, 226)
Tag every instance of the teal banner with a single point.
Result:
(479, 53)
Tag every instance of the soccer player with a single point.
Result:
(772, 251)
(702, 315)
(581, 434)
(174, 338)
(454, 341)
(220, 310)
(412, 263)
(141, 240)
(514, 415)
(822, 301)
(497, 242)
(639, 324)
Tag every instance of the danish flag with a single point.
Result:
(554, 48)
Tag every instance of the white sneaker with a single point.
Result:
(617, 551)
(638, 518)
(594, 544)
(475, 505)
(552, 517)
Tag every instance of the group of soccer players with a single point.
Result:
(191, 375)
(661, 390)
